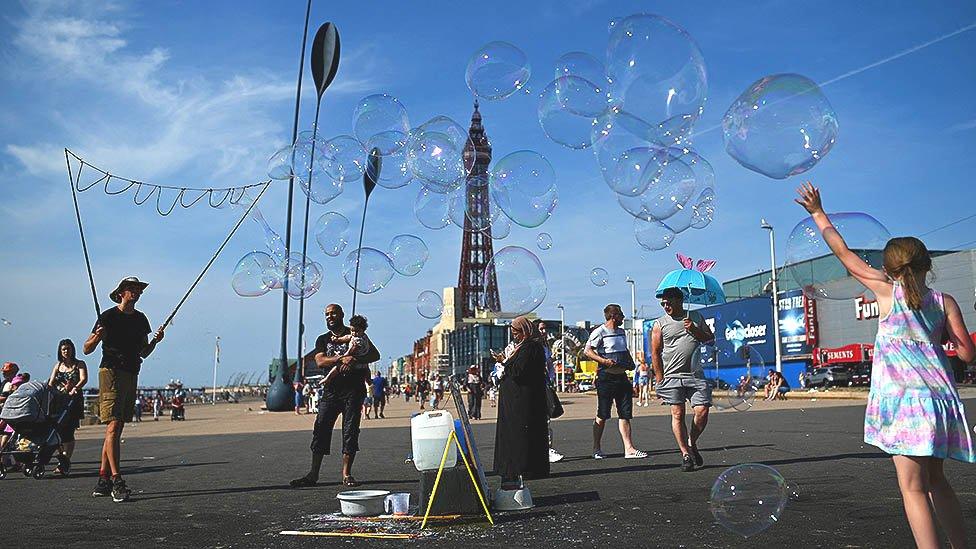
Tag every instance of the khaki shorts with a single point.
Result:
(116, 395)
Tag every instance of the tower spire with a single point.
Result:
(478, 288)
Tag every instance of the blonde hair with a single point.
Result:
(907, 260)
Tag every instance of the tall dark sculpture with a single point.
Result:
(325, 65)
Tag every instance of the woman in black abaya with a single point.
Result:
(521, 433)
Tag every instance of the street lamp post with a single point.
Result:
(772, 259)
(633, 315)
(562, 347)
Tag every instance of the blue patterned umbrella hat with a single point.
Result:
(698, 288)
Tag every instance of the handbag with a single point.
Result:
(553, 405)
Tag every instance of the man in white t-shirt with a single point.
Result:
(607, 345)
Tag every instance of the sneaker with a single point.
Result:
(598, 455)
(103, 488)
(687, 464)
(699, 461)
(119, 492)
(554, 456)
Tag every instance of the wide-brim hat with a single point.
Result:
(126, 282)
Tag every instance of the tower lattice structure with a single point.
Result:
(478, 288)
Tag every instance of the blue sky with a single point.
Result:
(200, 94)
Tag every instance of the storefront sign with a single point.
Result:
(865, 309)
(855, 353)
(795, 311)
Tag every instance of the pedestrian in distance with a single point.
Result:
(914, 412)
(123, 333)
(379, 388)
(675, 342)
(607, 346)
(475, 389)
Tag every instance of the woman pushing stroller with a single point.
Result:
(67, 378)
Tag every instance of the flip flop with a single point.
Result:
(303, 482)
(350, 482)
(639, 454)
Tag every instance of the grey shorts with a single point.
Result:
(677, 390)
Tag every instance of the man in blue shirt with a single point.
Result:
(379, 395)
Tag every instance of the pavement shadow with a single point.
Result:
(808, 459)
(216, 491)
(129, 471)
(605, 471)
(566, 499)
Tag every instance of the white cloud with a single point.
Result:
(962, 126)
(157, 127)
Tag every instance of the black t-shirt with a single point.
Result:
(123, 339)
(354, 378)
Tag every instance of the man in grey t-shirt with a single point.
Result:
(675, 341)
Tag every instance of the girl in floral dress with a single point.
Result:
(914, 412)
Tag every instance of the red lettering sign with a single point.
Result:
(810, 320)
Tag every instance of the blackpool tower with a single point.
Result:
(478, 289)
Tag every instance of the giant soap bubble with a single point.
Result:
(749, 498)
(467, 214)
(583, 65)
(408, 254)
(782, 125)
(562, 111)
(395, 173)
(657, 74)
(380, 121)
(332, 233)
(523, 185)
(304, 284)
(610, 142)
(429, 304)
(343, 158)
(375, 270)
(497, 70)
(653, 235)
(435, 154)
(828, 279)
(704, 209)
(501, 226)
(251, 274)
(521, 279)
(432, 209)
(749, 361)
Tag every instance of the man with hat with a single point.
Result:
(675, 342)
(124, 334)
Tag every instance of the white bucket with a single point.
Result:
(513, 500)
(428, 433)
(362, 503)
(398, 504)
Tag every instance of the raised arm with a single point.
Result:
(871, 278)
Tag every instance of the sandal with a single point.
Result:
(638, 454)
(303, 482)
(350, 482)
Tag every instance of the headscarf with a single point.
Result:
(530, 332)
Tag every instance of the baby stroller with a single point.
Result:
(34, 411)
